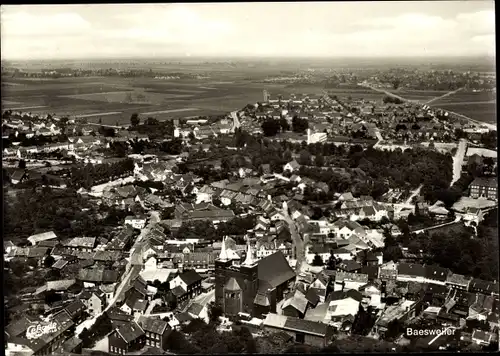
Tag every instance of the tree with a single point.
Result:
(317, 261)
(214, 313)
(49, 261)
(271, 127)
(319, 160)
(305, 158)
(331, 264)
(134, 120)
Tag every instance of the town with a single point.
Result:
(298, 223)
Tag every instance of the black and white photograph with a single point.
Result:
(249, 178)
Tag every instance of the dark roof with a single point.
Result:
(178, 291)
(339, 295)
(130, 332)
(18, 327)
(190, 277)
(371, 271)
(312, 296)
(483, 285)
(485, 182)
(412, 269)
(195, 309)
(75, 307)
(183, 317)
(306, 326)
(70, 344)
(156, 326)
(349, 265)
(275, 270)
(436, 273)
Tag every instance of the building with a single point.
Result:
(252, 287)
(126, 338)
(186, 285)
(483, 187)
(484, 338)
(35, 239)
(303, 331)
(156, 331)
(402, 311)
(137, 222)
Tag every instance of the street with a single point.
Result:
(133, 269)
(414, 194)
(298, 243)
(458, 160)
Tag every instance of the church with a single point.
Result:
(253, 286)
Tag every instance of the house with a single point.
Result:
(303, 331)
(137, 222)
(484, 187)
(198, 311)
(156, 331)
(295, 305)
(473, 215)
(18, 176)
(291, 166)
(135, 304)
(94, 301)
(373, 292)
(458, 281)
(45, 345)
(482, 306)
(484, 338)
(342, 307)
(84, 244)
(401, 311)
(186, 285)
(346, 228)
(35, 239)
(76, 310)
(349, 266)
(484, 287)
(346, 280)
(126, 338)
(411, 272)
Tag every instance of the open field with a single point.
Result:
(420, 95)
(479, 106)
(115, 99)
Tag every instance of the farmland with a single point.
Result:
(479, 106)
(114, 99)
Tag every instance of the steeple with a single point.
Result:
(249, 261)
(223, 252)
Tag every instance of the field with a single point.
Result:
(114, 99)
(420, 95)
(479, 106)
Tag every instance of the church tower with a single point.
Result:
(235, 284)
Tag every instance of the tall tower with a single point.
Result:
(235, 284)
(250, 272)
(266, 96)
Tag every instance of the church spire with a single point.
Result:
(249, 258)
(223, 252)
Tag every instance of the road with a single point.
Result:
(133, 269)
(112, 126)
(297, 242)
(492, 127)
(414, 194)
(458, 160)
(442, 333)
(443, 96)
(457, 219)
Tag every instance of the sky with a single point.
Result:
(322, 29)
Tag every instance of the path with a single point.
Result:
(112, 126)
(492, 127)
(414, 194)
(443, 96)
(457, 219)
(151, 306)
(133, 269)
(297, 242)
(458, 160)
(442, 333)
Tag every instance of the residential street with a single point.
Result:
(458, 160)
(297, 242)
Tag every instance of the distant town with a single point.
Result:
(298, 223)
